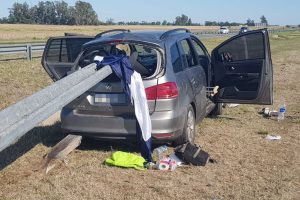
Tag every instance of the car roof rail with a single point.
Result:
(167, 33)
(110, 31)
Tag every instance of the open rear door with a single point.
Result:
(242, 68)
(60, 54)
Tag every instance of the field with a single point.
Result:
(247, 166)
(11, 33)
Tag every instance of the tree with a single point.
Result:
(19, 13)
(85, 14)
(62, 12)
(263, 20)
(250, 22)
(110, 21)
(49, 14)
(164, 23)
(182, 20)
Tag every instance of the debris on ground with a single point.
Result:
(273, 137)
(192, 154)
(232, 105)
(267, 112)
(126, 160)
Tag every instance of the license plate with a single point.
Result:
(110, 98)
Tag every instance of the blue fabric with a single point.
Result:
(123, 69)
(145, 146)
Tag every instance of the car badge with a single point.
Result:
(108, 87)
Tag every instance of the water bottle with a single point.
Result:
(281, 112)
(158, 153)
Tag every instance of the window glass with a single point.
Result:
(65, 50)
(188, 53)
(175, 58)
(198, 48)
(246, 47)
(57, 51)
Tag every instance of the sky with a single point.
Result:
(277, 12)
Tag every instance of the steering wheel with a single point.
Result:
(137, 65)
(88, 58)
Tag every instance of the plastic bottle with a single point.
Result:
(158, 153)
(281, 113)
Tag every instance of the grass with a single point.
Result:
(20, 78)
(263, 132)
(20, 33)
(248, 167)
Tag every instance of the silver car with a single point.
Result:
(178, 75)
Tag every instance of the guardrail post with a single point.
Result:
(29, 52)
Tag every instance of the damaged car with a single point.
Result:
(183, 82)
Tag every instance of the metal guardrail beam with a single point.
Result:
(28, 49)
(21, 117)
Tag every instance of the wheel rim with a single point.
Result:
(190, 126)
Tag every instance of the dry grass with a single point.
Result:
(20, 78)
(12, 33)
(248, 167)
(18, 33)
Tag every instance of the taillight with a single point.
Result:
(167, 90)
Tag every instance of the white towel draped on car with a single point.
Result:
(138, 98)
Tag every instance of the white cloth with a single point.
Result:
(138, 96)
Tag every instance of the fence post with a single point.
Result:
(29, 52)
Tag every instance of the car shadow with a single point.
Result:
(90, 144)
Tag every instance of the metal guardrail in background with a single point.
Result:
(28, 49)
(21, 117)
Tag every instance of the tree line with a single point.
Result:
(82, 13)
(49, 12)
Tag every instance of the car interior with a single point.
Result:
(61, 56)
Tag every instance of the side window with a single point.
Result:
(202, 56)
(247, 47)
(175, 58)
(65, 49)
(57, 51)
(198, 48)
(188, 53)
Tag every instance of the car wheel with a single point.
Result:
(189, 129)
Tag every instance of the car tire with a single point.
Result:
(218, 110)
(189, 129)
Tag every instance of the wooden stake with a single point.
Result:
(61, 150)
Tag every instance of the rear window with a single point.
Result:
(143, 58)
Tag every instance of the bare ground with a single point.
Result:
(248, 166)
